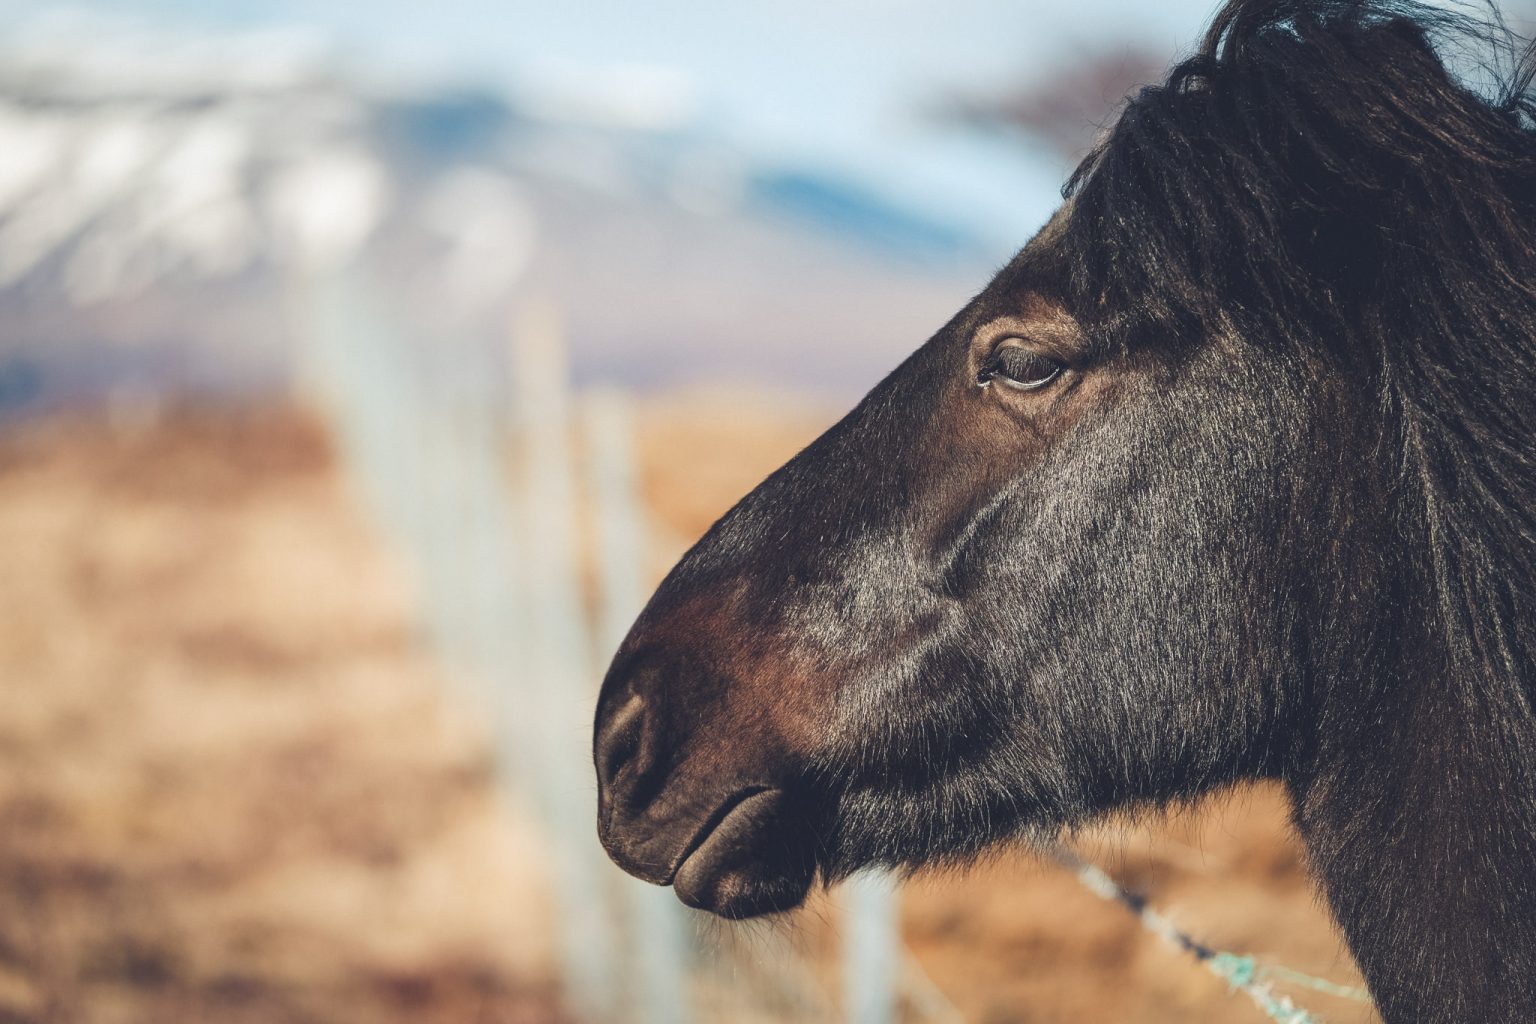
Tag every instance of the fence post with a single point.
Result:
(561, 657)
(871, 949)
(493, 542)
(659, 928)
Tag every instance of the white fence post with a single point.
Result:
(561, 657)
(491, 531)
(659, 930)
(872, 949)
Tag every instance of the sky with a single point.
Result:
(840, 85)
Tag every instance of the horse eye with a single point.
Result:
(1019, 368)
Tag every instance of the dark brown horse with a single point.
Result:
(1228, 475)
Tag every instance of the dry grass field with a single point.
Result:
(232, 788)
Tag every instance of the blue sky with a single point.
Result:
(835, 84)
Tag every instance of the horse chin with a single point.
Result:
(755, 861)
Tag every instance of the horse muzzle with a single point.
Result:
(707, 817)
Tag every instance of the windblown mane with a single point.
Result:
(1317, 181)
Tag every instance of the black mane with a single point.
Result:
(1320, 182)
(1316, 179)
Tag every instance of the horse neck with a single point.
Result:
(1419, 814)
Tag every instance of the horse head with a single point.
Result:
(1209, 483)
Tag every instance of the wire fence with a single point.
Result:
(517, 508)
(1241, 972)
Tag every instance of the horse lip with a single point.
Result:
(730, 873)
(664, 875)
(712, 825)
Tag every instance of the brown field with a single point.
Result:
(233, 789)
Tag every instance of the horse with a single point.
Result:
(1227, 475)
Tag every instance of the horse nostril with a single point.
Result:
(618, 739)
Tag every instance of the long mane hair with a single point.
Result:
(1318, 178)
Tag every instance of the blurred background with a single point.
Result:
(362, 366)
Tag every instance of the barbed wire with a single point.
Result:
(1242, 973)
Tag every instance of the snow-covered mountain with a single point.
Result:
(161, 191)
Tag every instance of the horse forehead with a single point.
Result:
(1038, 256)
(1027, 286)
